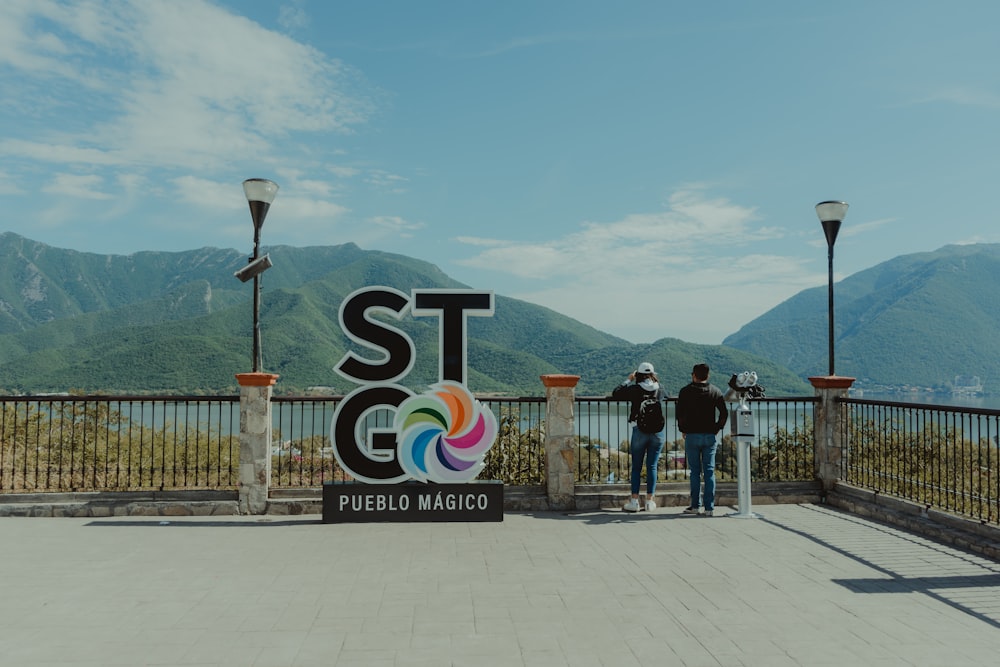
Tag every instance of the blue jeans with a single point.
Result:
(699, 448)
(645, 446)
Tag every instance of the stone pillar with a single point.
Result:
(830, 433)
(560, 440)
(255, 440)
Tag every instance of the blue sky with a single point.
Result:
(647, 167)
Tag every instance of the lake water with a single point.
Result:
(982, 402)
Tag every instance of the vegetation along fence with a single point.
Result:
(942, 457)
(95, 443)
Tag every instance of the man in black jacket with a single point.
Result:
(701, 414)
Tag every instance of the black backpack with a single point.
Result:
(650, 417)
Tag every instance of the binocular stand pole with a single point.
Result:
(742, 424)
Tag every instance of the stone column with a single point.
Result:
(255, 440)
(560, 440)
(830, 433)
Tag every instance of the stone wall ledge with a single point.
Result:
(123, 503)
(294, 502)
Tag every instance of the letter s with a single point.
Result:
(359, 326)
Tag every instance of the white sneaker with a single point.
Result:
(709, 513)
(692, 510)
(650, 506)
(632, 505)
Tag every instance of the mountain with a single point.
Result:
(916, 320)
(180, 323)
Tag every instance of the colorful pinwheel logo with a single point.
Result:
(444, 434)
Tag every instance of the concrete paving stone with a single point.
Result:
(275, 656)
(569, 588)
(363, 659)
(368, 641)
(388, 624)
(320, 645)
(544, 659)
(463, 652)
(494, 626)
(213, 649)
(433, 626)
(337, 625)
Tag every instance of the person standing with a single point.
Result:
(701, 414)
(642, 389)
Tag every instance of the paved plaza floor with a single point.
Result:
(800, 585)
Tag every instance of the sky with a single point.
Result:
(648, 167)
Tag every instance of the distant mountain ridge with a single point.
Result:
(916, 320)
(180, 323)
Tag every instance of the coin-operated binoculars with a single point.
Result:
(743, 387)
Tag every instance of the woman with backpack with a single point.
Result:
(642, 389)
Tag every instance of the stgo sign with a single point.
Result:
(422, 466)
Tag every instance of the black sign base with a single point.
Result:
(412, 502)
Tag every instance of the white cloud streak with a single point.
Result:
(74, 185)
(697, 268)
(185, 90)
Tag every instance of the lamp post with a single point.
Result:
(831, 214)
(260, 193)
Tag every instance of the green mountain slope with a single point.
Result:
(181, 323)
(918, 319)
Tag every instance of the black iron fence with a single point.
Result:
(121, 443)
(783, 450)
(942, 457)
(302, 455)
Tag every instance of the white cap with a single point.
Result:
(645, 367)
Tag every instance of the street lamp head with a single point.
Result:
(831, 211)
(831, 214)
(260, 193)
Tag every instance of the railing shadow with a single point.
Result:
(972, 591)
(159, 522)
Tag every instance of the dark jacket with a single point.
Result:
(633, 393)
(701, 408)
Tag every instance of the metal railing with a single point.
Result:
(302, 455)
(783, 450)
(942, 457)
(95, 443)
(120, 443)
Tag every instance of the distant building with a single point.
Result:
(967, 385)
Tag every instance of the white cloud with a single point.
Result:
(291, 203)
(169, 100)
(964, 96)
(342, 171)
(207, 193)
(396, 226)
(191, 85)
(8, 186)
(309, 209)
(84, 186)
(687, 272)
(637, 240)
(384, 180)
(292, 17)
(864, 227)
(59, 153)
